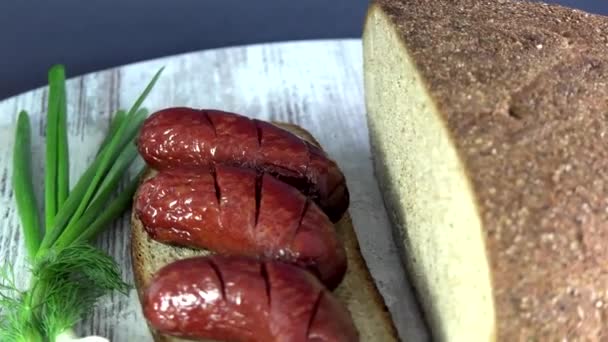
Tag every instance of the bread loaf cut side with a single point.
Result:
(489, 132)
(358, 290)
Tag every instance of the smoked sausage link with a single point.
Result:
(190, 138)
(243, 300)
(231, 210)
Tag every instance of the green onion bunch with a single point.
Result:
(68, 274)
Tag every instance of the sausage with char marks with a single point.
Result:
(243, 300)
(234, 211)
(190, 138)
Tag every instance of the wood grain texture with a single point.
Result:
(315, 84)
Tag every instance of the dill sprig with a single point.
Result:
(68, 274)
(75, 278)
(17, 322)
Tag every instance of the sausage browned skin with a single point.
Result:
(234, 211)
(244, 300)
(191, 138)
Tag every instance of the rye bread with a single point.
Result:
(358, 290)
(488, 124)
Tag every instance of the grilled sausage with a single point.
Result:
(244, 300)
(190, 138)
(234, 211)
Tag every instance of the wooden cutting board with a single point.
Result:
(315, 84)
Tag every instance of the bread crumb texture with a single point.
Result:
(522, 91)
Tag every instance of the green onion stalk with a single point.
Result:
(68, 274)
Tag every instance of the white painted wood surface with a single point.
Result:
(315, 84)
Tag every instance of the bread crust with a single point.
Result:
(358, 290)
(522, 90)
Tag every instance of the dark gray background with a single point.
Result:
(97, 34)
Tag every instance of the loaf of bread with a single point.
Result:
(489, 126)
(357, 291)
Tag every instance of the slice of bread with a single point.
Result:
(358, 290)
